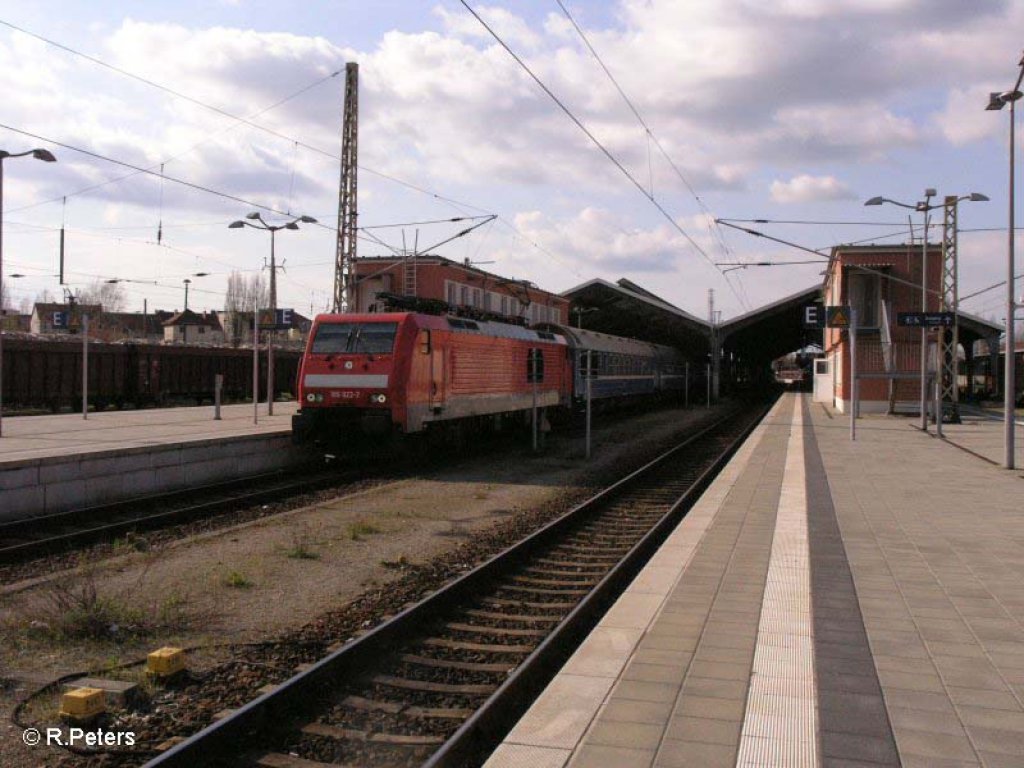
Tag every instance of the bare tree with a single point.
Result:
(243, 296)
(111, 296)
(45, 296)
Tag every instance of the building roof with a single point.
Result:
(626, 309)
(91, 309)
(188, 317)
(434, 260)
(149, 324)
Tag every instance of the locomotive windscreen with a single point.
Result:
(354, 338)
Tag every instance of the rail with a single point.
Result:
(601, 524)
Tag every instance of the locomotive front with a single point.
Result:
(347, 379)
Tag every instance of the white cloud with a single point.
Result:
(737, 91)
(964, 119)
(809, 189)
(609, 245)
(510, 27)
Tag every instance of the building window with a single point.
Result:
(476, 297)
(504, 305)
(864, 295)
(451, 292)
(464, 297)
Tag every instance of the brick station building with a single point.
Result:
(880, 282)
(459, 284)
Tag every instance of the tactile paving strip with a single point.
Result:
(780, 723)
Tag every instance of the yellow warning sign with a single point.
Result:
(838, 317)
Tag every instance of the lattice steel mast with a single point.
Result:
(344, 267)
(949, 345)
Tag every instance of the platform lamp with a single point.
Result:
(996, 102)
(925, 207)
(47, 157)
(255, 216)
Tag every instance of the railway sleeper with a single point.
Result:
(469, 689)
(551, 582)
(591, 558)
(580, 550)
(517, 603)
(281, 760)
(462, 645)
(348, 734)
(396, 708)
(520, 617)
(581, 564)
(483, 629)
(468, 666)
(567, 575)
(434, 674)
(532, 590)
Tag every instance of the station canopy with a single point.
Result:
(626, 309)
(771, 331)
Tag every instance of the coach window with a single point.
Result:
(425, 341)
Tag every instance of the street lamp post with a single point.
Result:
(925, 206)
(273, 230)
(187, 283)
(47, 157)
(996, 102)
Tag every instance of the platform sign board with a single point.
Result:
(814, 316)
(838, 317)
(926, 319)
(275, 319)
(60, 319)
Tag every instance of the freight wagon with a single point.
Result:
(48, 373)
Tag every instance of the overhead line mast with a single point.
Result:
(345, 256)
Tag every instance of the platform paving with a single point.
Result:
(824, 603)
(36, 437)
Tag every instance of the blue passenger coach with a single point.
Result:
(625, 368)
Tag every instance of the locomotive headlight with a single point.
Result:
(319, 397)
(310, 397)
(382, 398)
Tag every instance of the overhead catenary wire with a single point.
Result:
(651, 137)
(828, 259)
(604, 150)
(248, 121)
(989, 288)
(459, 205)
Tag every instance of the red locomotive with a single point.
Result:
(412, 372)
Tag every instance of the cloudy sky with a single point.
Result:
(792, 111)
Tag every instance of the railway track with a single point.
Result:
(33, 537)
(440, 684)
